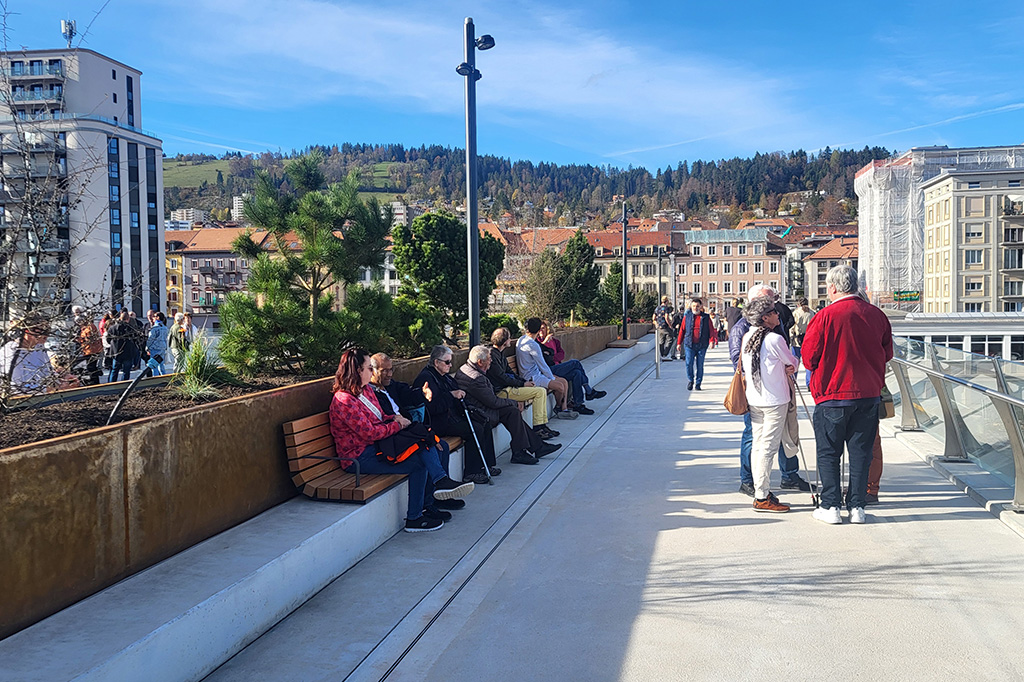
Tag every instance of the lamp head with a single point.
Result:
(464, 69)
(484, 42)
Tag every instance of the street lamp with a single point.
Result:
(467, 69)
(625, 276)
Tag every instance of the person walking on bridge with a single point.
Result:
(846, 347)
(694, 337)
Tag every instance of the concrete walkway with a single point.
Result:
(632, 557)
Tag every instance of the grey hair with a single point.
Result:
(479, 353)
(439, 352)
(500, 336)
(178, 317)
(378, 359)
(760, 290)
(758, 307)
(843, 278)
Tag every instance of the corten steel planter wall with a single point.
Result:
(81, 512)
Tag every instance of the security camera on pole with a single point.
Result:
(467, 69)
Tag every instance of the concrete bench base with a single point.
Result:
(182, 618)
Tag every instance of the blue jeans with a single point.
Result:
(695, 356)
(424, 469)
(855, 427)
(789, 466)
(157, 367)
(572, 371)
(120, 365)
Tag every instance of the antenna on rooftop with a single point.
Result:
(68, 29)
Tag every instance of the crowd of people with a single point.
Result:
(115, 345)
(843, 348)
(372, 414)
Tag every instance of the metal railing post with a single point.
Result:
(908, 418)
(1011, 422)
(955, 449)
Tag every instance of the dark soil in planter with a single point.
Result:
(61, 419)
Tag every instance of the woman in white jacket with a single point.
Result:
(767, 366)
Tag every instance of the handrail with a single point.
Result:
(962, 382)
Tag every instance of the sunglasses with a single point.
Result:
(446, 362)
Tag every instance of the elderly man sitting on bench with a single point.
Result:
(527, 445)
(509, 385)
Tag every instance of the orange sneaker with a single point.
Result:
(770, 504)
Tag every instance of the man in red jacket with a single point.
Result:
(846, 347)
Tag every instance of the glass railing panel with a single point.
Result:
(985, 438)
(926, 403)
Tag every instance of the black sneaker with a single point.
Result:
(595, 394)
(795, 483)
(523, 457)
(546, 449)
(667, 358)
(689, 386)
(747, 489)
(450, 504)
(447, 489)
(479, 478)
(583, 409)
(697, 387)
(435, 513)
(545, 432)
(495, 471)
(422, 524)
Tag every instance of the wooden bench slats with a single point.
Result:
(315, 472)
(309, 434)
(320, 479)
(375, 487)
(305, 423)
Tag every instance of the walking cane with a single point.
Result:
(814, 486)
(479, 449)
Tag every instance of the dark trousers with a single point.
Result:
(573, 372)
(423, 469)
(460, 427)
(854, 426)
(666, 341)
(121, 365)
(523, 437)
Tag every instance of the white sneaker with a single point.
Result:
(830, 515)
(857, 515)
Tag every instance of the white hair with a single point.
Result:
(478, 354)
(843, 278)
(179, 317)
(760, 290)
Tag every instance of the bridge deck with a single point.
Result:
(631, 556)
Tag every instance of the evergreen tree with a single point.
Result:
(583, 280)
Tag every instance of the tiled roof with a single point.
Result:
(494, 231)
(541, 238)
(798, 233)
(216, 239)
(610, 240)
(840, 248)
(765, 222)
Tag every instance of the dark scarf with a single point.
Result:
(754, 348)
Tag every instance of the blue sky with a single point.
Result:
(602, 81)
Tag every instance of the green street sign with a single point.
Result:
(906, 295)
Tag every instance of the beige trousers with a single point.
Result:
(769, 426)
(538, 395)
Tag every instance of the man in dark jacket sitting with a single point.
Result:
(527, 445)
(446, 416)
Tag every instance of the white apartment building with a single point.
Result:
(238, 208)
(189, 215)
(77, 115)
(974, 242)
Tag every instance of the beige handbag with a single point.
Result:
(736, 397)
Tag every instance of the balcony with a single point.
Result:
(1013, 261)
(1013, 237)
(44, 71)
(47, 95)
(33, 147)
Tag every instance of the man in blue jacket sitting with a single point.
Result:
(694, 337)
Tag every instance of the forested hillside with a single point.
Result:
(435, 174)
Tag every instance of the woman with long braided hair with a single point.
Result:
(767, 366)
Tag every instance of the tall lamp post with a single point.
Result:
(468, 70)
(625, 277)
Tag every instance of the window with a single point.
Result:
(195, 296)
(134, 216)
(635, 270)
(726, 250)
(774, 284)
(172, 296)
(726, 287)
(220, 262)
(1013, 288)
(209, 279)
(1014, 183)
(113, 74)
(113, 169)
(972, 257)
(635, 250)
(742, 249)
(773, 267)
(681, 269)
(112, 146)
(974, 307)
(695, 269)
(206, 263)
(174, 264)
(758, 267)
(712, 288)
(174, 280)
(971, 287)
(741, 268)
(682, 288)
(231, 264)
(696, 288)
(973, 185)
(757, 249)
(695, 250)
(245, 263)
(975, 206)
(115, 98)
(115, 216)
(741, 286)
(973, 231)
(115, 193)
(1011, 307)
(712, 268)
(727, 268)
(711, 250)
(1013, 259)
(195, 263)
